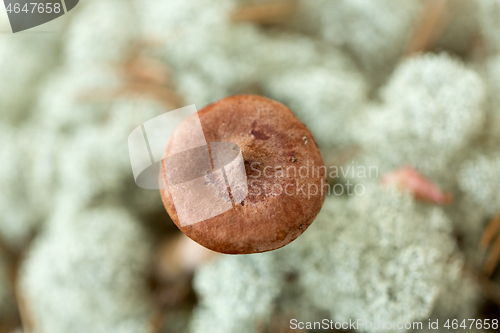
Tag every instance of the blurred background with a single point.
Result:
(388, 84)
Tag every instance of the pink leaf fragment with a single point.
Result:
(409, 179)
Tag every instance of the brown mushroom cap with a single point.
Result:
(269, 134)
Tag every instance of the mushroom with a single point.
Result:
(285, 178)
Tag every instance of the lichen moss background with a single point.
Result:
(380, 83)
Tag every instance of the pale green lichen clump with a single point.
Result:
(248, 280)
(24, 61)
(374, 32)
